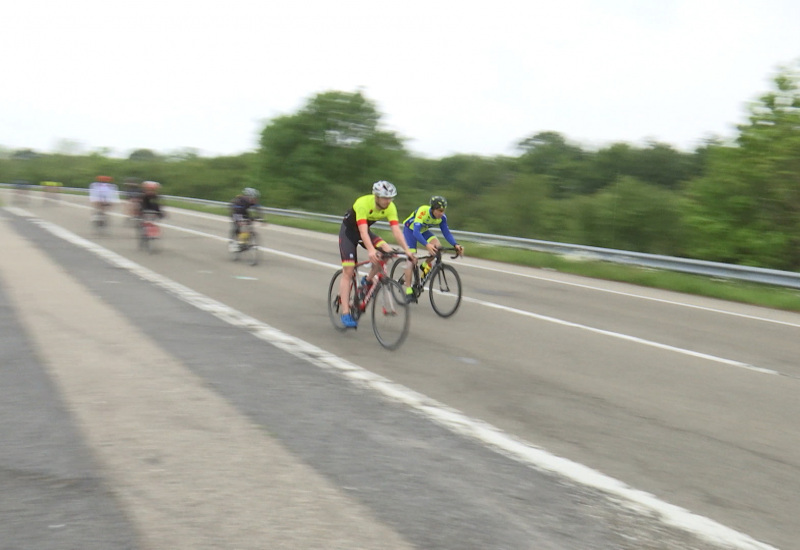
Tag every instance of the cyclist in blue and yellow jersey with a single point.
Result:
(355, 230)
(416, 229)
(243, 208)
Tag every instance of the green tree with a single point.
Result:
(746, 209)
(143, 155)
(633, 215)
(549, 154)
(335, 141)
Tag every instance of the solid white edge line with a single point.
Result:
(619, 335)
(555, 320)
(443, 415)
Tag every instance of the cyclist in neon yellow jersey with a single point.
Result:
(355, 230)
(416, 229)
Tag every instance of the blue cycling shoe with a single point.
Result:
(348, 321)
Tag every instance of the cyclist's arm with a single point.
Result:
(255, 213)
(446, 233)
(401, 239)
(363, 232)
(417, 227)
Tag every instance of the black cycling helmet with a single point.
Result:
(438, 202)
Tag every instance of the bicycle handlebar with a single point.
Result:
(440, 249)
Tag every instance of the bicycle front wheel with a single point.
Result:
(445, 290)
(253, 252)
(390, 314)
(334, 302)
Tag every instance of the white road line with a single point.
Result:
(633, 295)
(619, 335)
(546, 318)
(454, 420)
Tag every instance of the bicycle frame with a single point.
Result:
(148, 224)
(148, 230)
(246, 241)
(419, 279)
(363, 301)
(246, 233)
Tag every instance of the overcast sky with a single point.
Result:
(472, 77)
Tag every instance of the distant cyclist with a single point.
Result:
(416, 229)
(52, 189)
(149, 201)
(103, 194)
(355, 230)
(244, 209)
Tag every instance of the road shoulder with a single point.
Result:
(190, 470)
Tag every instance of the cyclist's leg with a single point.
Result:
(432, 239)
(348, 254)
(379, 244)
(411, 241)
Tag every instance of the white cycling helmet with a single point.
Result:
(384, 189)
(250, 192)
(151, 185)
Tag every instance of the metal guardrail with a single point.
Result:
(788, 279)
(775, 277)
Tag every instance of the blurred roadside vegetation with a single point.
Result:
(734, 201)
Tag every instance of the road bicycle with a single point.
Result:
(442, 280)
(148, 230)
(246, 244)
(390, 312)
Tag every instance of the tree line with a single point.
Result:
(736, 201)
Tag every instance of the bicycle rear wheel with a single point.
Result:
(334, 303)
(390, 314)
(445, 290)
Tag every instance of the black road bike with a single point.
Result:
(441, 279)
(246, 245)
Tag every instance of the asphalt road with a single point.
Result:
(690, 400)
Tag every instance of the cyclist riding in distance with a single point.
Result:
(149, 200)
(355, 230)
(416, 229)
(103, 193)
(243, 207)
